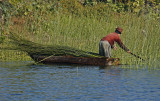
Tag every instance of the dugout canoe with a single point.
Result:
(95, 61)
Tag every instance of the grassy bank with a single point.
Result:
(140, 35)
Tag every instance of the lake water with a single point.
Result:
(22, 82)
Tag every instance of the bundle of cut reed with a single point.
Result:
(32, 48)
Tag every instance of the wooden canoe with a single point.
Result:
(96, 61)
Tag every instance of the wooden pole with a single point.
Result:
(137, 56)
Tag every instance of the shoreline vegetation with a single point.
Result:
(81, 25)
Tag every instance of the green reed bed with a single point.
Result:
(140, 35)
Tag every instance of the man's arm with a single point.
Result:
(122, 45)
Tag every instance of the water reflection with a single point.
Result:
(111, 70)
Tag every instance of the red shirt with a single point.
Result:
(114, 37)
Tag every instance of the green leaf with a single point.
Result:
(136, 10)
(25, 13)
(2, 39)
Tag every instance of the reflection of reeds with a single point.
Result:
(141, 35)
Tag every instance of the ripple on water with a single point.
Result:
(77, 83)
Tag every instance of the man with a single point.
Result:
(107, 42)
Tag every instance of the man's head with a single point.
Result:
(118, 30)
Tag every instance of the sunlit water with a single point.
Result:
(22, 82)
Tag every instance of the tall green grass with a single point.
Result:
(140, 35)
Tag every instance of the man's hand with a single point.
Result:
(115, 48)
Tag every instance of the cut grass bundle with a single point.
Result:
(18, 43)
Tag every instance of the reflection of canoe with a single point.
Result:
(96, 61)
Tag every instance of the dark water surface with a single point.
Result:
(19, 82)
